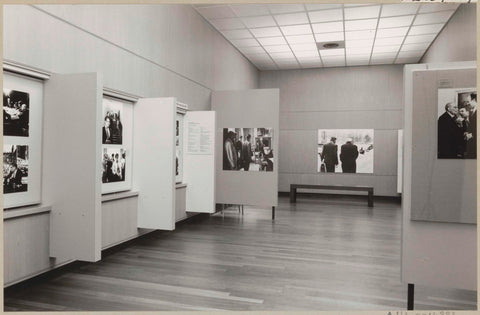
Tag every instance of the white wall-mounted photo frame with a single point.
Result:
(22, 145)
(117, 145)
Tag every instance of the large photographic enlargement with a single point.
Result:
(345, 151)
(16, 113)
(112, 130)
(113, 163)
(457, 124)
(15, 168)
(248, 149)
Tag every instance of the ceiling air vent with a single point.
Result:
(330, 45)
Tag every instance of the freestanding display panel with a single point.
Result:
(442, 254)
(247, 110)
(71, 176)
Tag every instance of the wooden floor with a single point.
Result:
(319, 254)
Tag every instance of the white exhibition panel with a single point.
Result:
(246, 109)
(199, 161)
(127, 138)
(154, 163)
(71, 181)
(400, 161)
(34, 88)
(433, 253)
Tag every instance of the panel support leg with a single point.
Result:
(411, 289)
(293, 194)
(273, 213)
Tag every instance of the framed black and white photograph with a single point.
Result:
(248, 149)
(16, 113)
(345, 151)
(112, 130)
(22, 138)
(114, 165)
(457, 124)
(15, 168)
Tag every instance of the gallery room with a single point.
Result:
(240, 157)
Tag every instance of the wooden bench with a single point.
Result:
(294, 187)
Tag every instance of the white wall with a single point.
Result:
(367, 97)
(458, 40)
(147, 50)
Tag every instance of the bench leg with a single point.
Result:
(273, 213)
(370, 198)
(293, 195)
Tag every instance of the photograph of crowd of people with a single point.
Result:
(112, 124)
(113, 162)
(457, 124)
(345, 151)
(248, 149)
(16, 107)
(15, 168)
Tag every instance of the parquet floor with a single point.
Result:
(319, 254)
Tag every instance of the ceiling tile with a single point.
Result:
(355, 5)
(329, 37)
(300, 47)
(333, 58)
(237, 34)
(247, 42)
(201, 5)
(300, 39)
(304, 59)
(383, 55)
(292, 18)
(327, 27)
(242, 10)
(272, 41)
(266, 67)
(325, 15)
(392, 32)
(386, 49)
(334, 63)
(386, 41)
(382, 61)
(415, 39)
(285, 8)
(258, 57)
(399, 9)
(359, 25)
(359, 43)
(425, 29)
(332, 52)
(311, 65)
(407, 60)
(412, 53)
(282, 55)
(251, 50)
(216, 12)
(431, 18)
(227, 24)
(258, 21)
(277, 48)
(420, 46)
(366, 12)
(307, 54)
(266, 32)
(368, 34)
(360, 62)
(315, 6)
(358, 50)
(434, 7)
(397, 21)
(296, 29)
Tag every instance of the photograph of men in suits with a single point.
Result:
(348, 156)
(355, 155)
(106, 131)
(329, 155)
(15, 168)
(450, 134)
(472, 112)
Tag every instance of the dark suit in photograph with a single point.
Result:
(330, 156)
(106, 135)
(348, 156)
(471, 152)
(450, 138)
